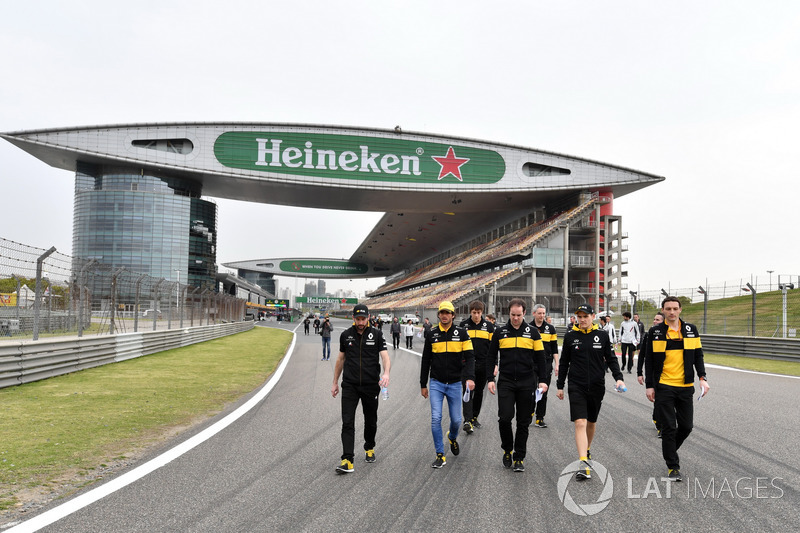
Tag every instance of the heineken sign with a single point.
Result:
(361, 158)
(325, 300)
(316, 266)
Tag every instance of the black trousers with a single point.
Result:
(409, 341)
(472, 408)
(515, 398)
(395, 340)
(675, 414)
(368, 395)
(629, 348)
(541, 407)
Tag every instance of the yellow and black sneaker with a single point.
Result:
(468, 429)
(540, 423)
(507, 460)
(584, 472)
(475, 423)
(675, 474)
(453, 445)
(439, 462)
(519, 466)
(345, 468)
(369, 456)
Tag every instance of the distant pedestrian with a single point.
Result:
(490, 318)
(306, 323)
(316, 325)
(395, 330)
(327, 329)
(362, 349)
(426, 328)
(408, 331)
(629, 339)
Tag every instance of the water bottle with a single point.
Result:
(385, 393)
(623, 388)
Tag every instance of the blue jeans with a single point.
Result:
(326, 347)
(437, 391)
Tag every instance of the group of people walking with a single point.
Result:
(517, 360)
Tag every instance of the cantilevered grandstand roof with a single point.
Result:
(436, 191)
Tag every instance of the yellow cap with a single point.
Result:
(447, 306)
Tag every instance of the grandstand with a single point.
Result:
(526, 262)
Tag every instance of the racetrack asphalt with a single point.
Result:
(272, 469)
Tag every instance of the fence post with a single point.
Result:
(81, 283)
(156, 302)
(136, 303)
(37, 296)
(111, 321)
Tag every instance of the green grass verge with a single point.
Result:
(67, 429)
(751, 363)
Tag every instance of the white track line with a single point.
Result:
(65, 509)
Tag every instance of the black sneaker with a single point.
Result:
(475, 423)
(453, 445)
(507, 460)
(369, 456)
(659, 434)
(468, 429)
(345, 468)
(540, 423)
(439, 462)
(588, 455)
(584, 473)
(518, 466)
(675, 474)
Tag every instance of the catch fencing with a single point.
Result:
(47, 293)
(756, 306)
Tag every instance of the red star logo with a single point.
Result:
(450, 164)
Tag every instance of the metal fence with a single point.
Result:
(46, 293)
(763, 306)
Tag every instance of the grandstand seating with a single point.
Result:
(438, 277)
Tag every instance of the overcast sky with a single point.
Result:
(704, 93)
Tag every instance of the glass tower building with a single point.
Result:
(145, 222)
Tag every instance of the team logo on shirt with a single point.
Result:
(455, 333)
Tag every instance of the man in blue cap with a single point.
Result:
(362, 349)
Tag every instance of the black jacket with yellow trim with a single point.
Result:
(549, 338)
(481, 335)
(657, 346)
(520, 352)
(584, 356)
(447, 355)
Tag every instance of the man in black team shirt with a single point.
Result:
(480, 331)
(362, 349)
(585, 353)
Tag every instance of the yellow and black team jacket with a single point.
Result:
(481, 335)
(447, 356)
(657, 346)
(549, 338)
(584, 357)
(520, 353)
